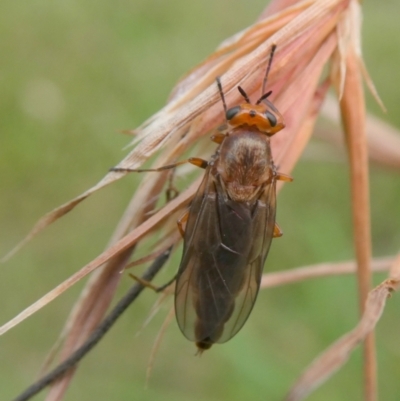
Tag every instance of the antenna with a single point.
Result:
(264, 96)
(267, 71)
(244, 94)
(222, 94)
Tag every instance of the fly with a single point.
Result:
(230, 224)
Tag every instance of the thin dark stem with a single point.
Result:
(97, 334)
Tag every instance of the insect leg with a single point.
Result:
(218, 137)
(150, 285)
(97, 334)
(171, 192)
(277, 231)
(284, 177)
(273, 48)
(192, 160)
(183, 219)
(167, 284)
(196, 161)
(199, 163)
(221, 92)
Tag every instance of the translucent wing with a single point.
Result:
(263, 219)
(226, 244)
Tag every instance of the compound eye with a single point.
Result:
(232, 112)
(271, 118)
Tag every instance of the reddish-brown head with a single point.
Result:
(263, 115)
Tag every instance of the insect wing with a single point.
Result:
(225, 247)
(263, 222)
(198, 233)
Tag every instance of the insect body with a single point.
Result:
(230, 226)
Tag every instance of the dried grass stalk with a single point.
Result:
(383, 140)
(339, 352)
(305, 273)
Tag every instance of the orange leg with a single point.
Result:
(218, 137)
(277, 231)
(284, 177)
(183, 219)
(281, 177)
(192, 160)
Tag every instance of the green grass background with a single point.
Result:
(74, 73)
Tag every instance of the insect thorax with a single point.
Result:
(244, 163)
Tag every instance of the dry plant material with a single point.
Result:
(383, 149)
(338, 353)
(309, 35)
(69, 364)
(305, 273)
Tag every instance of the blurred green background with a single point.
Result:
(75, 73)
